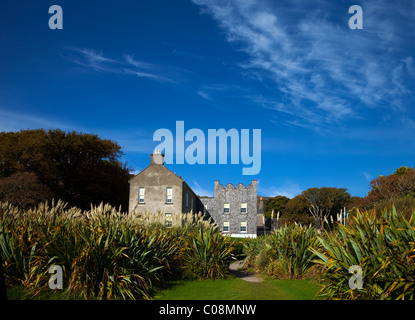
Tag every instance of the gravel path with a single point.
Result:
(250, 277)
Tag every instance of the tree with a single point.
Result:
(276, 204)
(296, 211)
(80, 168)
(396, 189)
(24, 190)
(322, 202)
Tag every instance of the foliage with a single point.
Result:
(104, 252)
(80, 168)
(238, 247)
(322, 202)
(23, 189)
(296, 211)
(296, 218)
(384, 247)
(285, 253)
(297, 205)
(397, 188)
(276, 204)
(403, 170)
(208, 254)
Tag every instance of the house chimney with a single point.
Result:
(157, 158)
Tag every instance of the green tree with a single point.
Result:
(323, 202)
(403, 170)
(79, 168)
(296, 211)
(276, 204)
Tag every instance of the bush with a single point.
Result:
(103, 252)
(285, 253)
(297, 218)
(208, 254)
(404, 205)
(384, 247)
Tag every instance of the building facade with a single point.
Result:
(234, 209)
(157, 189)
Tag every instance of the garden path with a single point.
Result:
(250, 277)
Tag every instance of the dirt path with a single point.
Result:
(250, 277)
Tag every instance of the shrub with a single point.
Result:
(383, 247)
(208, 254)
(104, 252)
(285, 253)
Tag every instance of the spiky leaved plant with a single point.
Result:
(284, 253)
(383, 247)
(208, 253)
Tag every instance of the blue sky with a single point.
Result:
(335, 106)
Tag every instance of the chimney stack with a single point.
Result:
(157, 158)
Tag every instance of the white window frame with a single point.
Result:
(243, 224)
(226, 208)
(244, 205)
(169, 197)
(141, 197)
(226, 224)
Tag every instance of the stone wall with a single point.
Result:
(234, 196)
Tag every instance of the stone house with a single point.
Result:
(157, 189)
(234, 209)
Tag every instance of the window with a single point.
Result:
(243, 226)
(225, 226)
(243, 207)
(169, 195)
(168, 220)
(191, 203)
(187, 199)
(141, 192)
(226, 208)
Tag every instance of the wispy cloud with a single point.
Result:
(323, 72)
(201, 191)
(126, 65)
(289, 189)
(208, 91)
(367, 176)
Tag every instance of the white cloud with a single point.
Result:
(289, 189)
(127, 65)
(321, 68)
(201, 191)
(368, 177)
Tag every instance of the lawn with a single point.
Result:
(231, 288)
(20, 293)
(234, 288)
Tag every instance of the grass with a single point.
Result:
(20, 293)
(231, 288)
(234, 288)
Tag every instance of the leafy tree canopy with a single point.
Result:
(396, 189)
(277, 204)
(325, 201)
(76, 167)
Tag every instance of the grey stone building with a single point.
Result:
(234, 209)
(157, 189)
